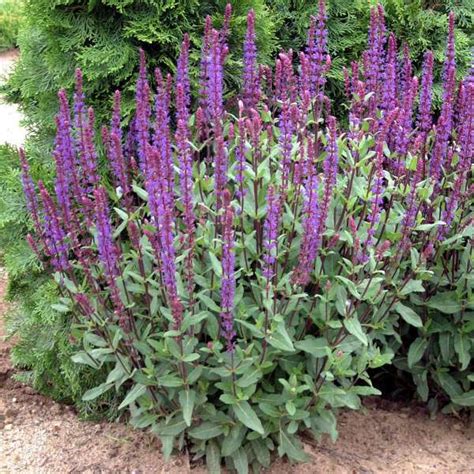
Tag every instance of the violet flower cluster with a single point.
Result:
(265, 190)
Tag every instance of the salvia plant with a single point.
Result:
(238, 267)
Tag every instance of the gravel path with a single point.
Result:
(10, 129)
(39, 436)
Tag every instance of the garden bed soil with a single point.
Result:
(39, 436)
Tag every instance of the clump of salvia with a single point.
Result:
(237, 267)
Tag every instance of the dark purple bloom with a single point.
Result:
(316, 50)
(406, 72)
(182, 77)
(228, 276)
(403, 125)
(466, 147)
(426, 94)
(240, 157)
(374, 57)
(270, 233)
(115, 124)
(377, 183)
(221, 161)
(161, 203)
(215, 78)
(445, 120)
(185, 169)
(389, 97)
(54, 235)
(310, 239)
(286, 125)
(330, 168)
(85, 304)
(162, 139)
(251, 92)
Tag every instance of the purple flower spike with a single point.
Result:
(182, 77)
(426, 94)
(287, 130)
(404, 125)
(406, 71)
(221, 168)
(115, 124)
(109, 253)
(215, 78)
(185, 170)
(270, 233)
(89, 160)
(228, 276)
(161, 138)
(311, 226)
(251, 93)
(377, 184)
(389, 99)
(240, 156)
(445, 120)
(330, 167)
(54, 236)
(65, 150)
(317, 50)
(466, 139)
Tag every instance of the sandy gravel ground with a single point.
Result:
(40, 436)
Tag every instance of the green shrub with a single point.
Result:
(11, 16)
(438, 355)
(233, 278)
(44, 341)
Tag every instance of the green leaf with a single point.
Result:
(445, 346)
(408, 315)
(241, 462)
(246, 415)
(289, 445)
(186, 400)
(462, 346)
(173, 428)
(449, 384)
(233, 440)
(354, 327)
(413, 286)
(84, 358)
(317, 347)
(137, 391)
(93, 393)
(416, 350)
(213, 457)
(170, 380)
(206, 430)
(446, 302)
(209, 302)
(465, 400)
(61, 308)
(250, 378)
(281, 340)
(262, 453)
(216, 265)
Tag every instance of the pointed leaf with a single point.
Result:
(246, 415)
